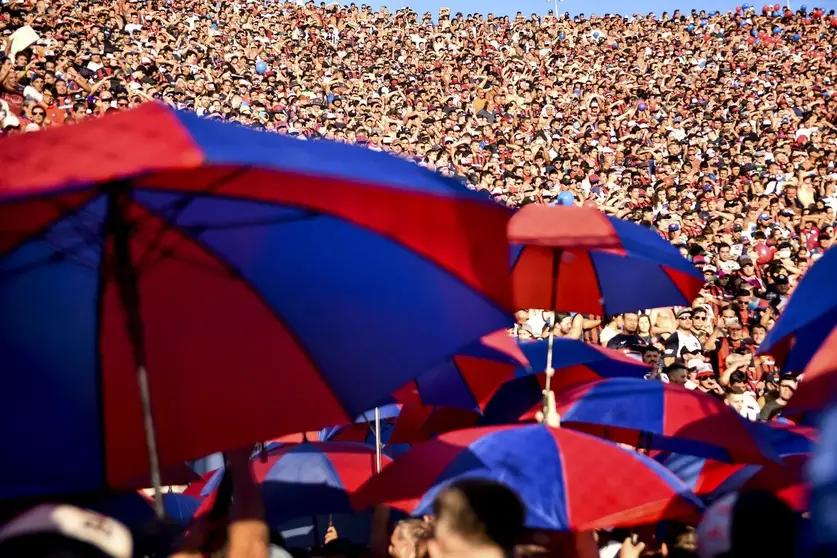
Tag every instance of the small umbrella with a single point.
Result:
(808, 318)
(307, 479)
(161, 273)
(469, 378)
(577, 259)
(656, 415)
(575, 362)
(567, 481)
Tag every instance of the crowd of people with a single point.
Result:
(716, 130)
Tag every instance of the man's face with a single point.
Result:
(651, 357)
(631, 322)
(787, 389)
(684, 322)
(736, 401)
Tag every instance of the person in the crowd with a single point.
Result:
(478, 518)
(773, 408)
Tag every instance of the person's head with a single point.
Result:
(787, 387)
(409, 539)
(738, 382)
(474, 516)
(644, 324)
(684, 320)
(651, 356)
(630, 322)
(677, 373)
(735, 400)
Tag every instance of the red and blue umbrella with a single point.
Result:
(307, 479)
(234, 273)
(469, 378)
(575, 362)
(712, 479)
(577, 259)
(807, 320)
(659, 416)
(568, 481)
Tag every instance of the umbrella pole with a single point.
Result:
(377, 440)
(556, 261)
(126, 280)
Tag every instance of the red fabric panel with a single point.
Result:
(606, 487)
(484, 377)
(215, 385)
(576, 288)
(563, 227)
(119, 145)
(26, 218)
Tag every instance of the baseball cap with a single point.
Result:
(74, 531)
(745, 260)
(673, 227)
(704, 373)
(764, 217)
(710, 269)
(736, 228)
(781, 279)
(771, 377)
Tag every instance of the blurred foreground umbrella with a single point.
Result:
(807, 320)
(166, 283)
(575, 362)
(655, 415)
(567, 481)
(307, 479)
(576, 259)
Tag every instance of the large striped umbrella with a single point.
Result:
(194, 286)
(568, 481)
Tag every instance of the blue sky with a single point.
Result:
(578, 6)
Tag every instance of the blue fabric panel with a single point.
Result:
(621, 402)
(626, 280)
(49, 360)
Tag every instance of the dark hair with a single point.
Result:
(483, 511)
(674, 367)
(737, 376)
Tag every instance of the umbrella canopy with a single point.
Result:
(418, 422)
(712, 480)
(567, 481)
(575, 362)
(237, 273)
(469, 378)
(578, 259)
(656, 415)
(808, 318)
(307, 479)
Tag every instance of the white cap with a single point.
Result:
(96, 530)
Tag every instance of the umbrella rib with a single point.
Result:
(179, 206)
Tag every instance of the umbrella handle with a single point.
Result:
(126, 280)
